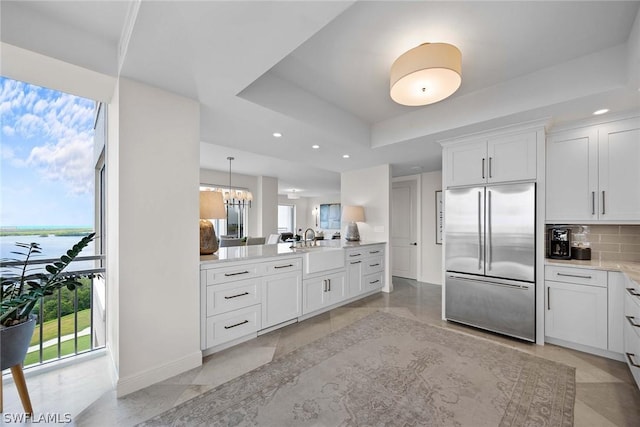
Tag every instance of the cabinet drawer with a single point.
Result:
(582, 276)
(375, 251)
(632, 310)
(235, 324)
(231, 296)
(373, 281)
(373, 265)
(355, 254)
(283, 266)
(232, 273)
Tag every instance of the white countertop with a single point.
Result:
(242, 253)
(632, 269)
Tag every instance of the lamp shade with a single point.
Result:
(426, 74)
(353, 214)
(212, 205)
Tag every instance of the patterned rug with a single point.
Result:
(392, 371)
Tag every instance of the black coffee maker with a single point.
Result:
(559, 243)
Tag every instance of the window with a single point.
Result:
(286, 218)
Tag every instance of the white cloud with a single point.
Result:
(8, 130)
(69, 161)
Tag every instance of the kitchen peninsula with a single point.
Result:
(246, 291)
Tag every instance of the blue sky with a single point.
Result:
(46, 156)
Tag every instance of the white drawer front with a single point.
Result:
(355, 254)
(283, 266)
(231, 296)
(230, 326)
(373, 265)
(582, 276)
(373, 281)
(232, 273)
(375, 251)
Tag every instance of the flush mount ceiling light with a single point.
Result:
(277, 134)
(602, 111)
(426, 74)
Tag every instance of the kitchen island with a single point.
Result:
(246, 291)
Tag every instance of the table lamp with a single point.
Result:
(352, 214)
(211, 207)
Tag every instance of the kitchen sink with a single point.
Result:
(321, 258)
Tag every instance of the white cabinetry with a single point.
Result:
(592, 173)
(502, 158)
(365, 268)
(323, 291)
(583, 309)
(239, 299)
(282, 292)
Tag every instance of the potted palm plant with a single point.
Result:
(20, 291)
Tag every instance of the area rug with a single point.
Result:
(387, 370)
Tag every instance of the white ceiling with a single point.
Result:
(318, 71)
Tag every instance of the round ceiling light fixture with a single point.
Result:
(426, 74)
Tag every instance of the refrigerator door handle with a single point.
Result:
(488, 237)
(490, 282)
(480, 230)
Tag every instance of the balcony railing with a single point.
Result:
(69, 322)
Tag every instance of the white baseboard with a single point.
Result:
(586, 349)
(157, 374)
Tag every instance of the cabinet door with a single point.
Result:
(281, 298)
(337, 285)
(354, 277)
(466, 163)
(572, 175)
(576, 313)
(619, 174)
(315, 294)
(512, 157)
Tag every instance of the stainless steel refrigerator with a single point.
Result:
(490, 258)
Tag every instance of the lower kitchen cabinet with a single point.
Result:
(364, 269)
(576, 313)
(631, 324)
(323, 291)
(281, 298)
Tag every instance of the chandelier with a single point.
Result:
(236, 196)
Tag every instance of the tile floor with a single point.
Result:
(606, 394)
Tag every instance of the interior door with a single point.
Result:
(404, 234)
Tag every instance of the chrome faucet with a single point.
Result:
(304, 236)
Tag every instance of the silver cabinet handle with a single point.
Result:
(593, 203)
(490, 161)
(356, 262)
(603, 210)
(374, 265)
(236, 296)
(630, 357)
(352, 255)
(375, 281)
(235, 274)
(480, 229)
(283, 266)
(374, 252)
(548, 298)
(574, 275)
(483, 168)
(633, 292)
(237, 324)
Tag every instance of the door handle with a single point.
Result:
(548, 298)
(490, 159)
(483, 168)
(593, 203)
(480, 230)
(489, 231)
(414, 244)
(603, 211)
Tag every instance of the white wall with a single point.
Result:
(371, 188)
(430, 264)
(156, 156)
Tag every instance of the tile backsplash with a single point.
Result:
(611, 242)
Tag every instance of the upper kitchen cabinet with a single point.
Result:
(491, 159)
(592, 173)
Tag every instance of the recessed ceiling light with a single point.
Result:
(315, 146)
(277, 134)
(345, 156)
(604, 110)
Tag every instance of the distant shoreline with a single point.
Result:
(45, 231)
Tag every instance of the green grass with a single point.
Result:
(50, 328)
(66, 348)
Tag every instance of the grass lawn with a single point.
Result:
(84, 343)
(50, 328)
